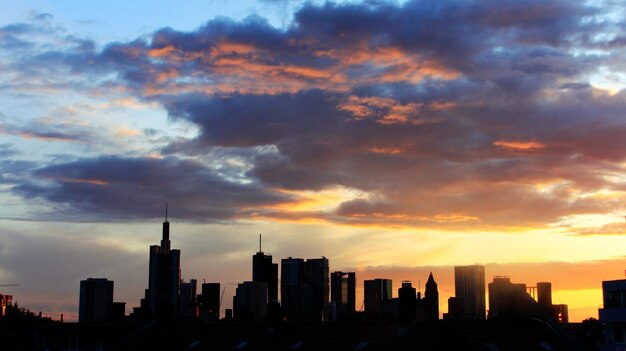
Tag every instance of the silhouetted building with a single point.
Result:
(317, 275)
(343, 293)
(305, 288)
(250, 302)
(228, 314)
(209, 301)
(509, 299)
(389, 309)
(164, 276)
(469, 290)
(291, 288)
(544, 298)
(506, 298)
(544, 294)
(187, 299)
(430, 302)
(613, 315)
(5, 300)
(264, 271)
(407, 303)
(96, 300)
(376, 291)
(118, 311)
(455, 309)
(561, 313)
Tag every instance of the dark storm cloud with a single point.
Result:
(257, 119)
(138, 188)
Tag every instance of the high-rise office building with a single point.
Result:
(164, 276)
(509, 298)
(291, 288)
(304, 288)
(506, 298)
(264, 271)
(469, 288)
(187, 299)
(209, 301)
(613, 314)
(343, 293)
(96, 300)
(317, 276)
(376, 291)
(407, 303)
(250, 302)
(431, 300)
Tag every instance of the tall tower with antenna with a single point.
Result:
(164, 276)
(264, 271)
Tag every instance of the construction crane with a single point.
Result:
(221, 299)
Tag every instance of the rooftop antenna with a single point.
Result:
(166, 211)
(260, 243)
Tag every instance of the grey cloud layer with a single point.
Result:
(131, 188)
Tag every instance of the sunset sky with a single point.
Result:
(393, 137)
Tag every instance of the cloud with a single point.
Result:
(59, 132)
(446, 115)
(113, 187)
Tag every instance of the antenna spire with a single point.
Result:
(166, 211)
(260, 243)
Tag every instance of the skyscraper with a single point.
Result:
(317, 276)
(250, 302)
(264, 271)
(164, 276)
(304, 288)
(291, 287)
(407, 302)
(376, 291)
(96, 300)
(469, 289)
(431, 300)
(187, 305)
(209, 301)
(343, 293)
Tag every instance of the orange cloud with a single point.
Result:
(442, 105)
(166, 75)
(161, 52)
(246, 68)
(224, 48)
(386, 150)
(388, 111)
(519, 145)
(124, 131)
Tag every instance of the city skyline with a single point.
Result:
(309, 292)
(146, 307)
(395, 138)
